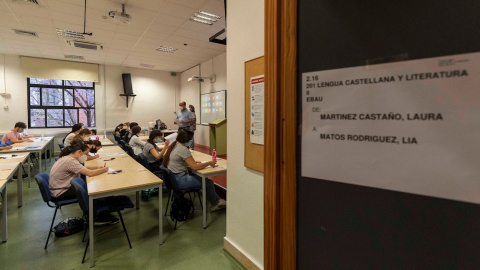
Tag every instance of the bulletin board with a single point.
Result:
(254, 153)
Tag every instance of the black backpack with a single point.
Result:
(69, 226)
(180, 208)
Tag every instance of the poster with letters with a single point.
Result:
(410, 126)
(257, 109)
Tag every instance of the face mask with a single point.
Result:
(93, 150)
(158, 140)
(86, 139)
(82, 159)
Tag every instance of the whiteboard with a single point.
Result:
(213, 106)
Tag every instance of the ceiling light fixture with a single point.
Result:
(166, 49)
(209, 14)
(200, 20)
(204, 17)
(200, 79)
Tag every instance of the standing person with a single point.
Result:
(184, 116)
(75, 130)
(135, 142)
(153, 153)
(193, 127)
(178, 158)
(13, 135)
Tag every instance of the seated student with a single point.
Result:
(67, 168)
(128, 135)
(152, 152)
(83, 135)
(13, 135)
(126, 127)
(94, 132)
(135, 142)
(94, 146)
(118, 129)
(178, 158)
(75, 130)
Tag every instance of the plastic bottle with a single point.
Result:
(146, 132)
(214, 155)
(97, 138)
(104, 134)
(43, 136)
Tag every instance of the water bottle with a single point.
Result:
(214, 155)
(104, 134)
(146, 132)
(43, 135)
(98, 138)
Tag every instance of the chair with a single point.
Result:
(61, 146)
(145, 161)
(116, 137)
(42, 181)
(127, 148)
(122, 143)
(171, 184)
(108, 204)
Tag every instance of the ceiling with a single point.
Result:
(154, 23)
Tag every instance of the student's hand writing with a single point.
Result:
(167, 142)
(212, 163)
(29, 140)
(105, 169)
(8, 147)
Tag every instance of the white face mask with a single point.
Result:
(86, 139)
(82, 159)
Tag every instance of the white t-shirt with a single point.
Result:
(68, 139)
(172, 137)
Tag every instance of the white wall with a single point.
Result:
(190, 91)
(155, 90)
(245, 22)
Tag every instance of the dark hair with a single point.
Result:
(133, 124)
(120, 125)
(183, 136)
(94, 142)
(136, 129)
(153, 134)
(193, 107)
(94, 131)
(76, 127)
(75, 145)
(20, 125)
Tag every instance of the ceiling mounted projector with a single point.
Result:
(196, 78)
(121, 16)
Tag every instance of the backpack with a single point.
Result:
(69, 226)
(180, 208)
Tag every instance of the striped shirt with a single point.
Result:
(63, 172)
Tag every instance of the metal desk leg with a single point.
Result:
(160, 216)
(138, 199)
(90, 230)
(40, 161)
(51, 151)
(204, 199)
(4, 214)
(29, 161)
(20, 185)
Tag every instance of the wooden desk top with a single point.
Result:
(2, 183)
(6, 171)
(222, 163)
(133, 173)
(39, 144)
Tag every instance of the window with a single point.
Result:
(60, 103)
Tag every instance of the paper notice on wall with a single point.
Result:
(257, 109)
(410, 126)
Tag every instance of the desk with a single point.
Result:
(7, 169)
(208, 172)
(133, 178)
(39, 147)
(105, 142)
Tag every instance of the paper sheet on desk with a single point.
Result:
(91, 154)
(10, 156)
(8, 164)
(110, 170)
(115, 154)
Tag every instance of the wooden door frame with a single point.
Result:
(280, 188)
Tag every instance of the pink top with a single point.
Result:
(11, 134)
(63, 172)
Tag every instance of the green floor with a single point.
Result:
(189, 247)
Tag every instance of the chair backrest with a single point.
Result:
(61, 145)
(116, 137)
(145, 161)
(8, 143)
(81, 191)
(122, 143)
(128, 148)
(42, 181)
(169, 178)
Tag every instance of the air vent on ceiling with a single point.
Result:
(84, 45)
(147, 66)
(74, 57)
(166, 49)
(25, 33)
(28, 2)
